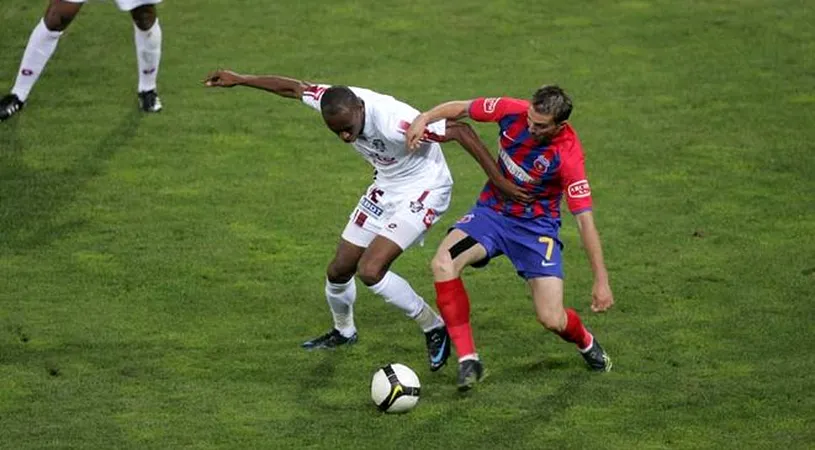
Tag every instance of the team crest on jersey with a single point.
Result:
(579, 189)
(378, 144)
(541, 164)
(416, 206)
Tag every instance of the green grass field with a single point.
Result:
(157, 274)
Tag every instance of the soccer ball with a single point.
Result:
(395, 388)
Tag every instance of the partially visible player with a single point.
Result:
(43, 41)
(541, 152)
(410, 192)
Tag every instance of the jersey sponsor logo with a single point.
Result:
(416, 206)
(375, 158)
(513, 168)
(579, 189)
(490, 104)
(541, 163)
(466, 218)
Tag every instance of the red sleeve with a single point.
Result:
(573, 179)
(495, 108)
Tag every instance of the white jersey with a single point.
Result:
(382, 142)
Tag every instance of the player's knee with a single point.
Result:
(371, 272)
(57, 20)
(552, 320)
(144, 16)
(442, 266)
(339, 273)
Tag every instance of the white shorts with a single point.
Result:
(402, 218)
(124, 5)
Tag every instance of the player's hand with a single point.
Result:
(415, 132)
(601, 297)
(223, 78)
(512, 191)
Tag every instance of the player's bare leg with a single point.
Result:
(340, 292)
(547, 294)
(457, 251)
(147, 36)
(374, 271)
(41, 45)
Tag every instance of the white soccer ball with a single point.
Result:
(395, 388)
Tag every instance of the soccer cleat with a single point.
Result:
(332, 339)
(9, 106)
(470, 372)
(438, 347)
(149, 101)
(597, 358)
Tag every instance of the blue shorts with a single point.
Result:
(531, 244)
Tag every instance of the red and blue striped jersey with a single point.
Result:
(547, 171)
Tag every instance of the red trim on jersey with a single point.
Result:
(314, 91)
(423, 196)
(427, 137)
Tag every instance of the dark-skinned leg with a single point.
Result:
(340, 292)
(41, 45)
(374, 272)
(147, 37)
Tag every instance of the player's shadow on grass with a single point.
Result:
(30, 198)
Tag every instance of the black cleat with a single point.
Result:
(149, 101)
(332, 339)
(9, 106)
(470, 372)
(438, 347)
(597, 358)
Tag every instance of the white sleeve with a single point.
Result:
(313, 94)
(435, 131)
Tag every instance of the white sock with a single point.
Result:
(341, 299)
(591, 342)
(41, 45)
(148, 54)
(398, 292)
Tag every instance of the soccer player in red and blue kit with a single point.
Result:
(541, 153)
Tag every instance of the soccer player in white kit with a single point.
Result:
(411, 191)
(43, 41)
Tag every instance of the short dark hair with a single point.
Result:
(552, 100)
(338, 99)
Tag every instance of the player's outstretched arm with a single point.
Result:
(451, 110)
(601, 297)
(282, 86)
(464, 134)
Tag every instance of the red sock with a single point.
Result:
(575, 331)
(454, 306)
